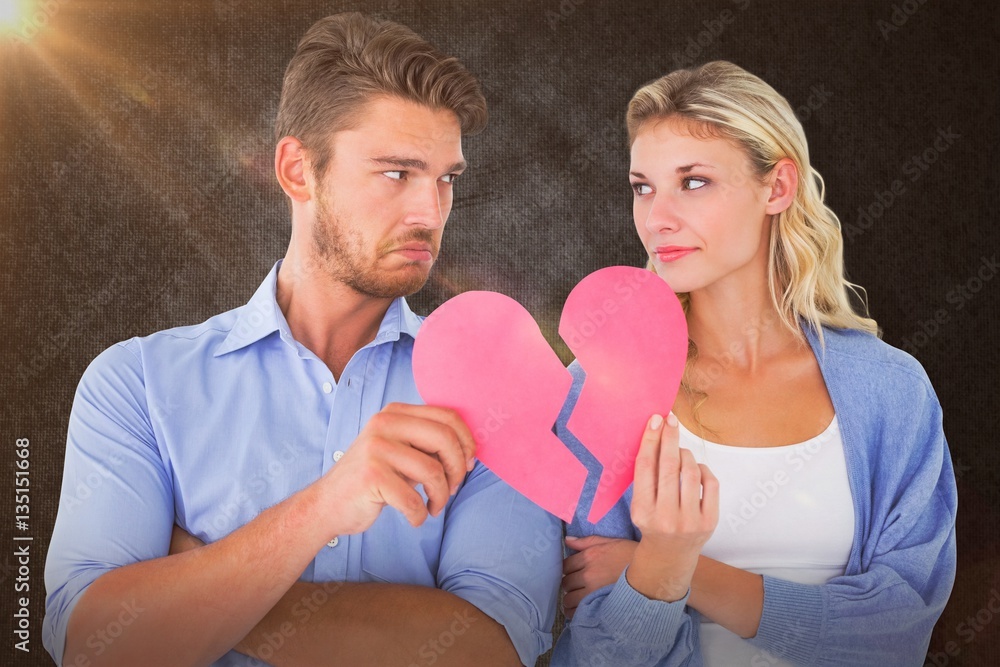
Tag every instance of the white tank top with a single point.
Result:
(783, 511)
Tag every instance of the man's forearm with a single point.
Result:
(377, 624)
(193, 607)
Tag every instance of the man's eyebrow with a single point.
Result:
(412, 163)
(395, 161)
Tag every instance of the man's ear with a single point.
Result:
(784, 185)
(291, 166)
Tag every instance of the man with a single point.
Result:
(342, 522)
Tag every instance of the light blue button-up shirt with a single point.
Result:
(208, 425)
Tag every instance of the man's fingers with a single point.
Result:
(416, 467)
(445, 416)
(430, 436)
(397, 493)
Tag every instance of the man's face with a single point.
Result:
(381, 208)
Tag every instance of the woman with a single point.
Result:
(828, 536)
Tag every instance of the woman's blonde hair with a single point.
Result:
(806, 263)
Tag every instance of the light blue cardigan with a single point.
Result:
(902, 564)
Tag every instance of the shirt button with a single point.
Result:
(332, 543)
(327, 387)
(337, 455)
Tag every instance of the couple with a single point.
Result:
(244, 465)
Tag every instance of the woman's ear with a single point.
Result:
(291, 166)
(784, 185)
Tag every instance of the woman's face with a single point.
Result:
(701, 212)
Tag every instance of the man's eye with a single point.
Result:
(694, 183)
(394, 175)
(641, 188)
(449, 178)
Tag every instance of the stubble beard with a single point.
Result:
(342, 255)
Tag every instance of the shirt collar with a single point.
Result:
(261, 317)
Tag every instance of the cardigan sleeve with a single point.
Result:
(618, 625)
(884, 612)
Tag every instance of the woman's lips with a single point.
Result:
(673, 253)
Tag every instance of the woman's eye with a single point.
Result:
(694, 183)
(641, 188)
(394, 175)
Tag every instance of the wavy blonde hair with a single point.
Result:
(806, 263)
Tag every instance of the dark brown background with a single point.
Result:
(135, 163)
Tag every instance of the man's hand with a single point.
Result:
(400, 447)
(599, 562)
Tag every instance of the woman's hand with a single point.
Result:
(675, 503)
(599, 562)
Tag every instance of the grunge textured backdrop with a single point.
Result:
(136, 194)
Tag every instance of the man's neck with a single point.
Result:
(329, 318)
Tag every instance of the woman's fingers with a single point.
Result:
(691, 483)
(644, 486)
(668, 478)
(709, 497)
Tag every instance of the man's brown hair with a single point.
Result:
(346, 59)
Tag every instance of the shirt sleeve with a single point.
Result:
(116, 503)
(503, 554)
(884, 614)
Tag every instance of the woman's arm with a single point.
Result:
(882, 614)
(641, 620)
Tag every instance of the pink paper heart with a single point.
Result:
(628, 331)
(482, 354)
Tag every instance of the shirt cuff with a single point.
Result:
(791, 621)
(510, 609)
(633, 617)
